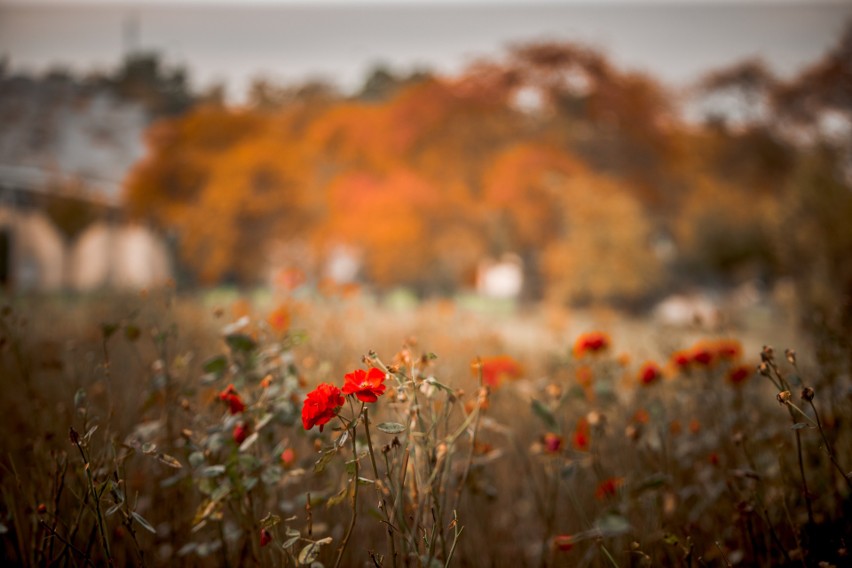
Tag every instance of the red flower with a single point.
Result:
(288, 457)
(241, 432)
(552, 443)
(321, 405)
(230, 396)
(713, 458)
(496, 369)
(681, 360)
(703, 354)
(608, 487)
(729, 349)
(366, 385)
(563, 542)
(650, 373)
(739, 374)
(592, 342)
(581, 435)
(265, 537)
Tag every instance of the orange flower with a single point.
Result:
(367, 386)
(496, 369)
(552, 443)
(694, 426)
(608, 487)
(739, 374)
(581, 435)
(650, 373)
(592, 342)
(641, 416)
(279, 319)
(232, 398)
(321, 405)
(675, 427)
(563, 542)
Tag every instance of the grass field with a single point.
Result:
(168, 430)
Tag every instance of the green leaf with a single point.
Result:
(145, 524)
(80, 398)
(248, 442)
(324, 460)
(196, 459)
(170, 461)
(613, 525)
(391, 427)
(269, 521)
(216, 365)
(212, 471)
(131, 332)
(291, 541)
(669, 538)
(240, 342)
(309, 553)
(652, 482)
(107, 329)
(544, 413)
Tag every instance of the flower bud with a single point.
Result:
(807, 394)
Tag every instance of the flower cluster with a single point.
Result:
(323, 403)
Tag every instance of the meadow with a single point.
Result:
(338, 429)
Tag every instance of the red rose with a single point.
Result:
(593, 342)
(366, 385)
(608, 487)
(321, 405)
(241, 432)
(563, 542)
(650, 373)
(232, 398)
(552, 443)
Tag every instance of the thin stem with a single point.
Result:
(384, 505)
(95, 497)
(828, 448)
(354, 503)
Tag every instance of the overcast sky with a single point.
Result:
(233, 42)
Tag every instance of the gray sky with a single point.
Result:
(289, 41)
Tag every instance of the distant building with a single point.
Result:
(65, 146)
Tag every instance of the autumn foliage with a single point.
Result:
(587, 172)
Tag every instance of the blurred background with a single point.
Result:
(686, 159)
